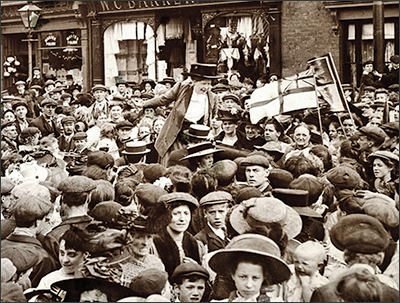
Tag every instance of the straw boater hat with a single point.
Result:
(197, 131)
(201, 70)
(251, 245)
(264, 210)
(200, 150)
(136, 148)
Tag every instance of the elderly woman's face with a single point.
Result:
(140, 245)
(248, 278)
(180, 219)
(302, 136)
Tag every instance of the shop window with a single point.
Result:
(177, 48)
(129, 52)
(239, 42)
(61, 54)
(359, 47)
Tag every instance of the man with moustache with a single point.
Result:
(194, 104)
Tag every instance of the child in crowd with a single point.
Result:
(308, 259)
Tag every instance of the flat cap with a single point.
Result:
(107, 211)
(124, 124)
(6, 185)
(20, 82)
(149, 281)
(370, 88)
(148, 194)
(19, 103)
(230, 96)
(383, 210)
(374, 133)
(99, 87)
(76, 184)
(255, 160)
(223, 170)
(68, 119)
(391, 128)
(394, 87)
(280, 178)
(29, 208)
(246, 193)
(29, 132)
(216, 197)
(309, 183)
(180, 197)
(49, 82)
(359, 233)
(100, 158)
(79, 136)
(48, 101)
(343, 177)
(189, 269)
(384, 154)
(154, 171)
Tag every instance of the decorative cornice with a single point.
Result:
(148, 20)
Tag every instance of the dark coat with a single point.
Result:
(45, 263)
(241, 139)
(18, 124)
(209, 238)
(169, 253)
(64, 145)
(44, 127)
(181, 93)
(327, 293)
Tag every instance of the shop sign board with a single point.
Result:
(104, 6)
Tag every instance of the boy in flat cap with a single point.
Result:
(74, 209)
(363, 239)
(215, 207)
(189, 281)
(21, 246)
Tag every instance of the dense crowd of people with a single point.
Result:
(169, 192)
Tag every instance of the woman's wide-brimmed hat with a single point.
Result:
(199, 131)
(200, 150)
(70, 290)
(136, 148)
(265, 210)
(297, 199)
(227, 115)
(202, 70)
(252, 245)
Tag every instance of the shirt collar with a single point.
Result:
(219, 232)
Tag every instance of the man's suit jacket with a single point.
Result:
(181, 93)
(209, 238)
(45, 128)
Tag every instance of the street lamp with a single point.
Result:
(29, 15)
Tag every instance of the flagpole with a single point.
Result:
(318, 110)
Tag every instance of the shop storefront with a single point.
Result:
(135, 40)
(59, 45)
